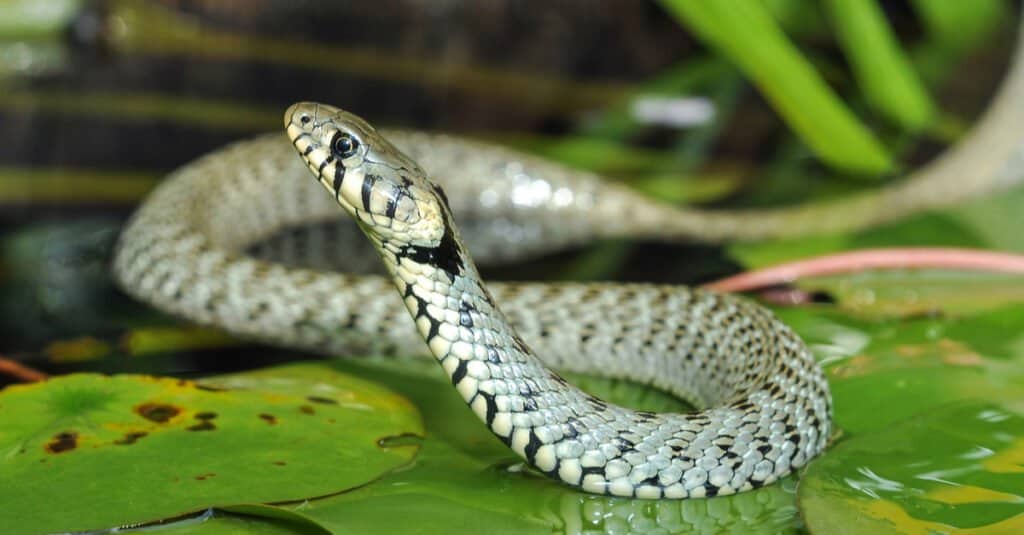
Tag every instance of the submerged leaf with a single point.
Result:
(127, 449)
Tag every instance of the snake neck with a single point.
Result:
(491, 367)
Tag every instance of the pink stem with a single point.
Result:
(895, 258)
(19, 371)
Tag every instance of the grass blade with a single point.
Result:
(744, 31)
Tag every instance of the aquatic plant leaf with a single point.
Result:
(917, 292)
(745, 32)
(882, 371)
(219, 522)
(883, 71)
(465, 481)
(961, 26)
(958, 468)
(128, 449)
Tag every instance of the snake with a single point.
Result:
(764, 407)
(240, 239)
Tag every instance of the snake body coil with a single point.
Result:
(199, 247)
(765, 406)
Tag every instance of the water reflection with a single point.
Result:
(769, 510)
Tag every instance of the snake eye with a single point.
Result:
(344, 145)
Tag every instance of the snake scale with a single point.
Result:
(194, 249)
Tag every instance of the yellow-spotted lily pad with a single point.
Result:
(88, 451)
(959, 469)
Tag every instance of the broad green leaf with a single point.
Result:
(129, 449)
(464, 480)
(915, 292)
(882, 371)
(744, 31)
(883, 71)
(960, 467)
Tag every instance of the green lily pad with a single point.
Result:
(915, 292)
(883, 371)
(961, 467)
(465, 481)
(218, 522)
(130, 449)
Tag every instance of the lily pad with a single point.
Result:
(884, 371)
(128, 449)
(916, 292)
(961, 467)
(465, 481)
(218, 522)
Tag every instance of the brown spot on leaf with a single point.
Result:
(307, 409)
(318, 399)
(157, 412)
(62, 442)
(130, 438)
(205, 425)
(280, 463)
(269, 418)
(203, 477)
(205, 422)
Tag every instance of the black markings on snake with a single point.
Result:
(445, 256)
(591, 470)
(368, 183)
(460, 372)
(327, 160)
(339, 177)
(531, 447)
(465, 318)
(421, 312)
(492, 408)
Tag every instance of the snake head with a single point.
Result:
(387, 193)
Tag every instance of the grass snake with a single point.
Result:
(242, 240)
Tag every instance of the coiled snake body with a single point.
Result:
(765, 406)
(194, 249)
